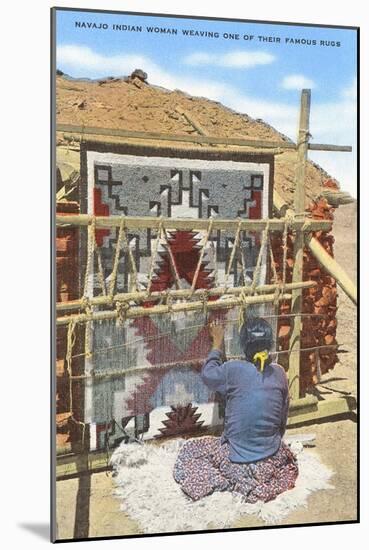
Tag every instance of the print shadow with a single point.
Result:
(42, 530)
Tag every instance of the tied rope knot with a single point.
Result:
(71, 340)
(204, 297)
(304, 137)
(277, 293)
(306, 226)
(243, 308)
(86, 304)
(289, 217)
(122, 309)
(169, 300)
(110, 299)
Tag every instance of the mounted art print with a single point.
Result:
(204, 336)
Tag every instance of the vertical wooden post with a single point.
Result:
(299, 207)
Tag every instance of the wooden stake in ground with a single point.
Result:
(299, 207)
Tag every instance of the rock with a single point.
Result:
(138, 73)
(137, 82)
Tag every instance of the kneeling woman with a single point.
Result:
(250, 457)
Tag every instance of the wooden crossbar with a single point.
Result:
(256, 143)
(137, 311)
(142, 296)
(196, 224)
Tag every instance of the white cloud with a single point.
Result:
(83, 61)
(351, 91)
(331, 122)
(239, 59)
(335, 122)
(297, 82)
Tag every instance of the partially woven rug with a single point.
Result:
(149, 495)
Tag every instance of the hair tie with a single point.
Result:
(262, 356)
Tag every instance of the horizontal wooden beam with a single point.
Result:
(195, 224)
(142, 296)
(305, 410)
(333, 268)
(201, 139)
(74, 465)
(137, 311)
(328, 147)
(115, 132)
(323, 410)
(303, 405)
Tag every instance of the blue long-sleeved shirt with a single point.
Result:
(256, 405)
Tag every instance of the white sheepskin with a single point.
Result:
(151, 497)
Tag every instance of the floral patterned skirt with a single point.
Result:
(203, 466)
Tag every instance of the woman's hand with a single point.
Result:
(216, 333)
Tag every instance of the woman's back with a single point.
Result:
(256, 394)
(256, 405)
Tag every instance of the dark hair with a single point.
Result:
(255, 335)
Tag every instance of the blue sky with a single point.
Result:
(253, 76)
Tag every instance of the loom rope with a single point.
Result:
(231, 259)
(71, 340)
(114, 272)
(276, 279)
(90, 252)
(134, 280)
(287, 223)
(215, 261)
(260, 256)
(121, 309)
(256, 276)
(91, 242)
(100, 270)
(154, 257)
(201, 256)
(172, 261)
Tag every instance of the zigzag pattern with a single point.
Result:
(185, 248)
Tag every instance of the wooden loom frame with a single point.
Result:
(302, 409)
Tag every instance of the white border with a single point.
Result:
(25, 354)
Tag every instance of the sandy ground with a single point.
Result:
(335, 444)
(99, 514)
